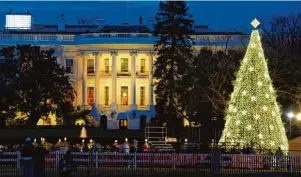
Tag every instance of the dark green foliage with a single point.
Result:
(34, 84)
(174, 51)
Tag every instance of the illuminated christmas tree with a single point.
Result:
(253, 116)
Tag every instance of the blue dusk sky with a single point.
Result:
(220, 16)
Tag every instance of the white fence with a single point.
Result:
(171, 160)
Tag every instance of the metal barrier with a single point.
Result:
(122, 163)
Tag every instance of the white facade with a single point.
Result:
(113, 71)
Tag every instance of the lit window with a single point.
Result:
(142, 96)
(124, 95)
(123, 124)
(69, 65)
(106, 96)
(124, 65)
(107, 69)
(90, 66)
(90, 96)
(142, 66)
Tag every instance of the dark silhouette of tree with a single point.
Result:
(282, 44)
(34, 83)
(174, 50)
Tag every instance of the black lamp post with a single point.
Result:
(112, 114)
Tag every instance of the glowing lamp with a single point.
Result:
(290, 115)
(299, 116)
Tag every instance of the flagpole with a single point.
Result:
(127, 11)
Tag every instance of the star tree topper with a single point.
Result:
(255, 23)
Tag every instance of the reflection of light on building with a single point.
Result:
(298, 116)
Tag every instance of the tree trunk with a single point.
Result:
(32, 120)
(189, 131)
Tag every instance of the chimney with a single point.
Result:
(61, 22)
(140, 21)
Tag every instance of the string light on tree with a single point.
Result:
(257, 120)
(244, 92)
(234, 109)
(260, 136)
(244, 112)
(261, 142)
(267, 95)
(259, 84)
(249, 127)
(237, 122)
(271, 127)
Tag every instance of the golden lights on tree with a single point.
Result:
(253, 116)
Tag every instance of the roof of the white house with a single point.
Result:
(66, 34)
(123, 28)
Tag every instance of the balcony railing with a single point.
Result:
(124, 73)
(143, 107)
(105, 73)
(142, 73)
(123, 107)
(90, 73)
(104, 106)
(116, 35)
(37, 37)
(48, 39)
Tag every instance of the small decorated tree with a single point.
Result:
(253, 116)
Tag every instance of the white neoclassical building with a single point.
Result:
(111, 66)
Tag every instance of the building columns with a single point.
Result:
(77, 70)
(114, 80)
(151, 96)
(133, 79)
(84, 78)
(96, 87)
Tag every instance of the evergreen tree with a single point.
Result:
(174, 51)
(253, 116)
